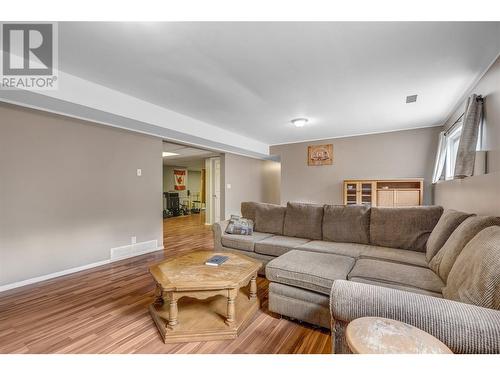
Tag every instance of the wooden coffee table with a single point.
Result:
(196, 302)
(372, 335)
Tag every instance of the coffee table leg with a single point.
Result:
(172, 315)
(230, 306)
(158, 296)
(253, 287)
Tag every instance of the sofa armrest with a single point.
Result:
(219, 228)
(462, 327)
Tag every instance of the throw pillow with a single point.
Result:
(239, 225)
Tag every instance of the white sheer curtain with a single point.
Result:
(440, 158)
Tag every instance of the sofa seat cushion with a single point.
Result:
(413, 258)
(278, 245)
(403, 227)
(447, 223)
(303, 220)
(243, 242)
(396, 274)
(346, 223)
(346, 249)
(353, 250)
(444, 260)
(269, 218)
(311, 271)
(475, 276)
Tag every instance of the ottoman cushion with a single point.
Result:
(311, 271)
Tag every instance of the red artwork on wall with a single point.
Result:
(180, 179)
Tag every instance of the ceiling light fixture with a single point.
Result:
(299, 122)
(165, 154)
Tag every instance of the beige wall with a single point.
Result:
(69, 192)
(250, 180)
(400, 154)
(194, 182)
(271, 185)
(479, 194)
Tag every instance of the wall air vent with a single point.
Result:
(411, 98)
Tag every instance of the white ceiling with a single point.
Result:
(188, 157)
(252, 78)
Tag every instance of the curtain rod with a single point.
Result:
(479, 98)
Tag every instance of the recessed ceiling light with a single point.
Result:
(299, 122)
(165, 154)
(411, 98)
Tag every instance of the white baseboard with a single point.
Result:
(127, 251)
(37, 279)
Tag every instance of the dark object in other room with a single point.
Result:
(172, 203)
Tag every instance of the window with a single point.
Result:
(452, 141)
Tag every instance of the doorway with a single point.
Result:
(191, 188)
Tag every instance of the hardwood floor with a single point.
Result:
(105, 310)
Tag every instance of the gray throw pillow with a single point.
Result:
(239, 225)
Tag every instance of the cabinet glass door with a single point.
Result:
(366, 194)
(351, 193)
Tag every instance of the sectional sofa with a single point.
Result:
(436, 269)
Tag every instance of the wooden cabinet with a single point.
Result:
(404, 198)
(359, 192)
(384, 193)
(385, 198)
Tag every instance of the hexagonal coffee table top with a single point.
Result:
(189, 272)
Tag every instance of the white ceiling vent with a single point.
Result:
(411, 98)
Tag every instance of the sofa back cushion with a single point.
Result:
(448, 222)
(443, 261)
(269, 218)
(248, 210)
(303, 220)
(475, 276)
(346, 223)
(403, 227)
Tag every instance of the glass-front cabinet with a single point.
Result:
(359, 192)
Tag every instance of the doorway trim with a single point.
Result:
(213, 188)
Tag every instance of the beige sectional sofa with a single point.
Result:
(327, 265)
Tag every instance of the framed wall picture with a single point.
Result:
(320, 155)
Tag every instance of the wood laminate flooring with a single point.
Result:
(105, 310)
